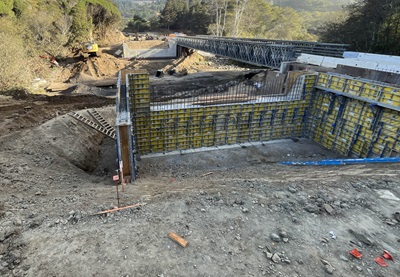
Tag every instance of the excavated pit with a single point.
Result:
(70, 142)
(67, 142)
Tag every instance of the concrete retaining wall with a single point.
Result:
(170, 51)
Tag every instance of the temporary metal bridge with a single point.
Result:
(260, 52)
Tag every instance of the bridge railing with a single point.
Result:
(256, 53)
(309, 47)
(261, 52)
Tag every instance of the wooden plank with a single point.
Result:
(223, 99)
(179, 240)
(125, 149)
(206, 174)
(119, 209)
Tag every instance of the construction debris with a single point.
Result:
(361, 237)
(119, 209)
(223, 99)
(355, 253)
(387, 255)
(206, 174)
(109, 131)
(380, 261)
(179, 240)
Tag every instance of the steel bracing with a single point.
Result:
(110, 132)
(260, 52)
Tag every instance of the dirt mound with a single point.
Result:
(96, 68)
(199, 62)
(111, 37)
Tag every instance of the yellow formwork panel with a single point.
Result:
(357, 150)
(140, 102)
(139, 91)
(197, 115)
(259, 108)
(389, 135)
(371, 91)
(143, 146)
(327, 142)
(337, 83)
(196, 144)
(353, 87)
(378, 147)
(207, 126)
(141, 127)
(346, 136)
(138, 84)
(357, 116)
(342, 149)
(323, 79)
(391, 96)
(396, 146)
(390, 115)
(352, 118)
(143, 139)
(376, 92)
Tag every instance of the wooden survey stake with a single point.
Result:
(179, 240)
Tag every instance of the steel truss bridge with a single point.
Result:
(260, 52)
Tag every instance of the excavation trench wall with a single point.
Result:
(352, 116)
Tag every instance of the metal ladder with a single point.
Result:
(108, 132)
(100, 119)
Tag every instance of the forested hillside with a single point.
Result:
(145, 9)
(33, 28)
(370, 26)
(316, 12)
(280, 19)
(312, 5)
(244, 18)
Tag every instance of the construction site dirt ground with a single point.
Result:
(241, 212)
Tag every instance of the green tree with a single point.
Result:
(138, 24)
(93, 16)
(287, 25)
(219, 11)
(175, 14)
(199, 14)
(169, 14)
(371, 26)
(12, 7)
(263, 20)
(15, 67)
